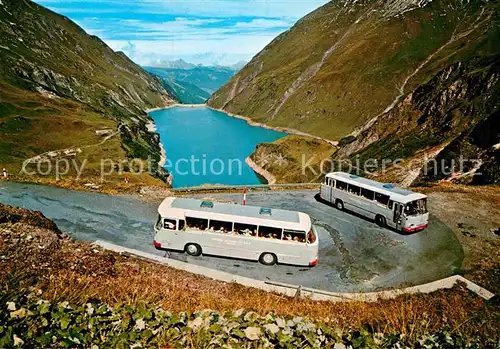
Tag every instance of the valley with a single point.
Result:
(445, 96)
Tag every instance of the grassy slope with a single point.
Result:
(294, 159)
(86, 86)
(31, 125)
(360, 78)
(186, 92)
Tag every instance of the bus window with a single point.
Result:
(182, 224)
(294, 235)
(341, 185)
(381, 198)
(311, 238)
(197, 223)
(170, 224)
(332, 182)
(353, 189)
(270, 232)
(368, 194)
(221, 226)
(245, 229)
(390, 204)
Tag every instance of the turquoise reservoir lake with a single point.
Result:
(205, 146)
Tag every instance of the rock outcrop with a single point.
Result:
(457, 110)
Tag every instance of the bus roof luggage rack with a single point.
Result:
(264, 210)
(207, 204)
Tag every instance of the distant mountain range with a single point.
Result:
(190, 83)
(178, 64)
(182, 64)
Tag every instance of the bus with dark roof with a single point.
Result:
(388, 205)
(263, 234)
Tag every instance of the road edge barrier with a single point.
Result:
(240, 188)
(297, 291)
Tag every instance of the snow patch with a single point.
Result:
(45, 93)
(391, 8)
(151, 127)
(398, 7)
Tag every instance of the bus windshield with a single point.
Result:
(416, 207)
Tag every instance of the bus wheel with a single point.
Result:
(192, 249)
(380, 220)
(340, 205)
(268, 258)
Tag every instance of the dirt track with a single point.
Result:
(473, 213)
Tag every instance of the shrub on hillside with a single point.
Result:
(28, 321)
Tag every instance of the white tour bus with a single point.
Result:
(388, 205)
(230, 230)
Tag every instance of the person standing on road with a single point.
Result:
(4, 172)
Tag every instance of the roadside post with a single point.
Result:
(244, 196)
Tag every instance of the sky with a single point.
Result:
(208, 32)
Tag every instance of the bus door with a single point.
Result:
(398, 215)
(327, 189)
(181, 223)
(331, 185)
(178, 238)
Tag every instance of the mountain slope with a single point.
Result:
(350, 61)
(184, 91)
(453, 116)
(59, 85)
(194, 85)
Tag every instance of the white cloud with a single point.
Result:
(199, 31)
(225, 50)
(262, 23)
(293, 9)
(178, 26)
(114, 28)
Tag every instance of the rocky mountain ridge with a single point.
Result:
(456, 111)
